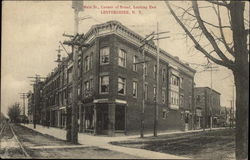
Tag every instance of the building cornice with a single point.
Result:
(115, 27)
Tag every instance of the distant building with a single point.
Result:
(207, 103)
(35, 103)
(110, 85)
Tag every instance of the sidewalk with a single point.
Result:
(104, 142)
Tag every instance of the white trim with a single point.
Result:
(100, 100)
(120, 101)
(61, 108)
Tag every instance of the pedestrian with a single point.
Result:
(48, 123)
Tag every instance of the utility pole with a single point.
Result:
(157, 78)
(211, 94)
(36, 81)
(74, 42)
(157, 84)
(74, 130)
(23, 96)
(77, 6)
(68, 110)
(142, 49)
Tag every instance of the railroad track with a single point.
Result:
(10, 146)
(2, 129)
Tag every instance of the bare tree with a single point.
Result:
(230, 50)
(14, 112)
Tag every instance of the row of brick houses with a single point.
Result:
(110, 86)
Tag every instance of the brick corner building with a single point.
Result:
(110, 85)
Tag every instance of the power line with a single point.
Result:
(227, 77)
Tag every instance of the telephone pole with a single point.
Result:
(211, 94)
(23, 96)
(36, 79)
(157, 77)
(142, 49)
(63, 64)
(74, 42)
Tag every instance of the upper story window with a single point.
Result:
(181, 82)
(181, 100)
(135, 87)
(87, 63)
(163, 74)
(86, 86)
(79, 89)
(104, 84)
(91, 60)
(198, 99)
(70, 75)
(122, 58)
(79, 69)
(163, 96)
(155, 71)
(91, 84)
(134, 63)
(104, 55)
(164, 114)
(175, 80)
(174, 98)
(121, 85)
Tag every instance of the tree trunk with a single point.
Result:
(241, 78)
(242, 109)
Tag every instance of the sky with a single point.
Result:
(31, 31)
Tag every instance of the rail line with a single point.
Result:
(2, 129)
(16, 140)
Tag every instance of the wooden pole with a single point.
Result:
(74, 130)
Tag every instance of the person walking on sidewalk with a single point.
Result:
(48, 123)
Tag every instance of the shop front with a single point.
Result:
(103, 118)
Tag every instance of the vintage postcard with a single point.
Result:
(125, 79)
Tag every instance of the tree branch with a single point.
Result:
(186, 11)
(209, 36)
(223, 3)
(197, 45)
(222, 34)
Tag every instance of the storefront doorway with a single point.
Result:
(89, 118)
(119, 118)
(102, 119)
